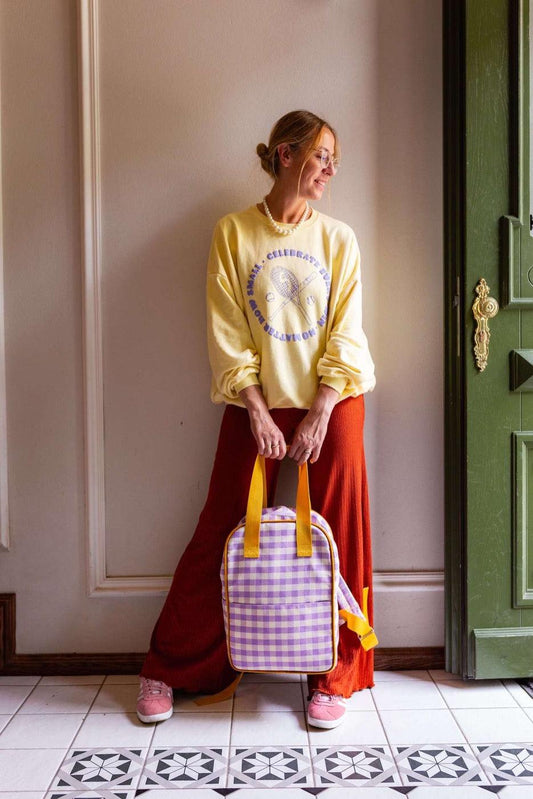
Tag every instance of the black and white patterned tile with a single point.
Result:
(438, 765)
(102, 793)
(270, 767)
(354, 766)
(184, 766)
(116, 770)
(506, 763)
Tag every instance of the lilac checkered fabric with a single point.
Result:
(281, 611)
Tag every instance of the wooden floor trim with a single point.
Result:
(64, 664)
(386, 659)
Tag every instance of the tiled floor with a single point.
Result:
(416, 733)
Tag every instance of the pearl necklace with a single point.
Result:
(284, 231)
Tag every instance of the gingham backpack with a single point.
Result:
(283, 595)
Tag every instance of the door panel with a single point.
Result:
(489, 425)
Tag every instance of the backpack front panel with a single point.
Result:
(281, 611)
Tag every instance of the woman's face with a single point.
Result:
(315, 177)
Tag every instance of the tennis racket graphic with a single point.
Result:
(286, 284)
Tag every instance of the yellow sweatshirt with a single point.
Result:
(284, 312)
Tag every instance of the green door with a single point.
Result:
(489, 403)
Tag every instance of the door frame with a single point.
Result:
(454, 180)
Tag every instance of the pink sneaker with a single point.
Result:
(325, 710)
(155, 701)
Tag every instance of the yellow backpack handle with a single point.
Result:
(257, 498)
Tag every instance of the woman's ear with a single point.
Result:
(284, 154)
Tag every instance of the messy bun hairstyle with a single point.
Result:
(297, 129)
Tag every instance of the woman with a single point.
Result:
(290, 360)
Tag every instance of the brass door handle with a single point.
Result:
(483, 308)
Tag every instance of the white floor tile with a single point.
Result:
(441, 674)
(361, 700)
(272, 677)
(49, 731)
(485, 693)
(505, 725)
(421, 727)
(12, 697)
(519, 695)
(116, 699)
(4, 720)
(122, 679)
(21, 794)
(60, 699)
(400, 676)
(420, 694)
(120, 730)
(363, 727)
(19, 680)
(186, 704)
(79, 679)
(271, 728)
(29, 769)
(269, 697)
(194, 729)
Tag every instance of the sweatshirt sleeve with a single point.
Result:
(347, 365)
(233, 356)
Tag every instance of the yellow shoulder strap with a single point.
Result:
(359, 626)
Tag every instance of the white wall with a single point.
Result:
(187, 90)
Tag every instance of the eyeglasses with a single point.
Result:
(326, 159)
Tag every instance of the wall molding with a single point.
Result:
(4, 507)
(92, 299)
(65, 664)
(99, 582)
(7, 629)
(408, 581)
(386, 581)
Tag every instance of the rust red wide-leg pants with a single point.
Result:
(188, 646)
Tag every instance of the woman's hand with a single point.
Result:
(311, 432)
(268, 436)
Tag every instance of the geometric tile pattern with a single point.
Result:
(101, 793)
(270, 767)
(438, 765)
(507, 763)
(126, 773)
(350, 766)
(180, 767)
(98, 768)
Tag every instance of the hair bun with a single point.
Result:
(262, 150)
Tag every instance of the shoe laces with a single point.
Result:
(153, 688)
(325, 699)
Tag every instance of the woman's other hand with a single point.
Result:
(268, 436)
(311, 432)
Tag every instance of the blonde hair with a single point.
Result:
(297, 129)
